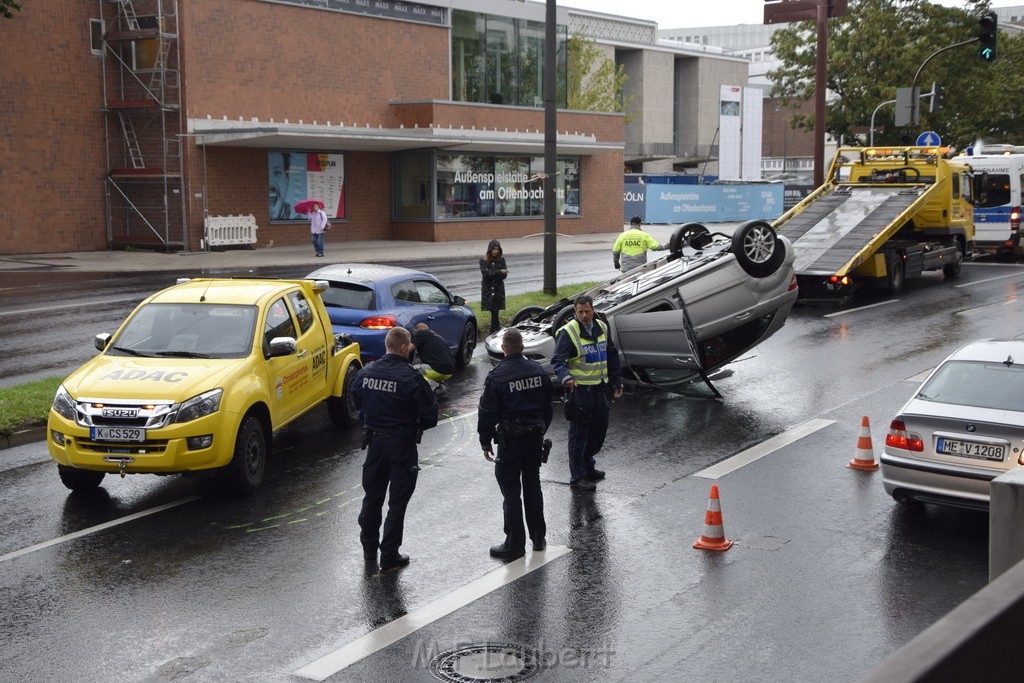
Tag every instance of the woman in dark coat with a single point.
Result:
(492, 286)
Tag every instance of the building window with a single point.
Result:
(413, 186)
(96, 36)
(471, 186)
(500, 60)
(430, 186)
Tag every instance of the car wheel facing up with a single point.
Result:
(525, 313)
(757, 248)
(690, 234)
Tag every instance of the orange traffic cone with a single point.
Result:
(865, 458)
(714, 534)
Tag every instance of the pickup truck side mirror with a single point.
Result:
(101, 341)
(283, 346)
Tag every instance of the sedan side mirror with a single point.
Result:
(101, 341)
(283, 346)
(459, 301)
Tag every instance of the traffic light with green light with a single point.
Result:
(988, 32)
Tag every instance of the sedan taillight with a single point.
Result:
(792, 283)
(379, 322)
(898, 437)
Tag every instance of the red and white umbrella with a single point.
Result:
(308, 205)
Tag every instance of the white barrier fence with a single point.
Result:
(226, 230)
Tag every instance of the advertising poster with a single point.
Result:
(295, 176)
(713, 203)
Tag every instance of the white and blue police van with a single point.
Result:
(999, 180)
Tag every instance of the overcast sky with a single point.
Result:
(684, 13)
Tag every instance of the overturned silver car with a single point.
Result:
(676, 319)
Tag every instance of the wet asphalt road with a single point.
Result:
(827, 577)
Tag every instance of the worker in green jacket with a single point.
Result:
(632, 246)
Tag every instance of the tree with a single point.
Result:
(8, 8)
(878, 47)
(594, 82)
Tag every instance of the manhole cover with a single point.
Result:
(486, 662)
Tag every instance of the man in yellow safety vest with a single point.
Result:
(633, 245)
(587, 362)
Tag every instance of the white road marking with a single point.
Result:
(989, 279)
(460, 416)
(920, 377)
(98, 527)
(986, 307)
(762, 449)
(859, 308)
(133, 300)
(345, 656)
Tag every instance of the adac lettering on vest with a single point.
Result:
(595, 352)
(523, 384)
(633, 242)
(388, 385)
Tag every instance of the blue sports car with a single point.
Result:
(366, 300)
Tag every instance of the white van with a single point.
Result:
(999, 179)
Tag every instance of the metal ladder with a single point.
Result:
(131, 140)
(126, 10)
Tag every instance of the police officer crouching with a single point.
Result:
(396, 404)
(515, 411)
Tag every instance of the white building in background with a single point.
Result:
(675, 121)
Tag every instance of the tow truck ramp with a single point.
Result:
(830, 233)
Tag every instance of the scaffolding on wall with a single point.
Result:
(144, 125)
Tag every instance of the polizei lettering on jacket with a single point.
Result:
(388, 385)
(523, 384)
(154, 376)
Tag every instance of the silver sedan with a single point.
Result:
(962, 429)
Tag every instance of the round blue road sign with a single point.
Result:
(929, 138)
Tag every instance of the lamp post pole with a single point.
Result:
(550, 151)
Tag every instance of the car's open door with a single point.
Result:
(660, 348)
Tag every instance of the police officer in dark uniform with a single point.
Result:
(515, 411)
(397, 405)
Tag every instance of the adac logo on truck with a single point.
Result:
(154, 376)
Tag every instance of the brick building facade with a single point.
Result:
(98, 153)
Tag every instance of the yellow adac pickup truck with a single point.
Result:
(198, 378)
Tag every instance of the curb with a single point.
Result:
(25, 436)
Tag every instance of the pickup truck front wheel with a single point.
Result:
(79, 480)
(246, 469)
(342, 409)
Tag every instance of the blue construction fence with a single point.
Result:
(671, 199)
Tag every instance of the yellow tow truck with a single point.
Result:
(884, 214)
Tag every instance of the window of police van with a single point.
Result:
(994, 189)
